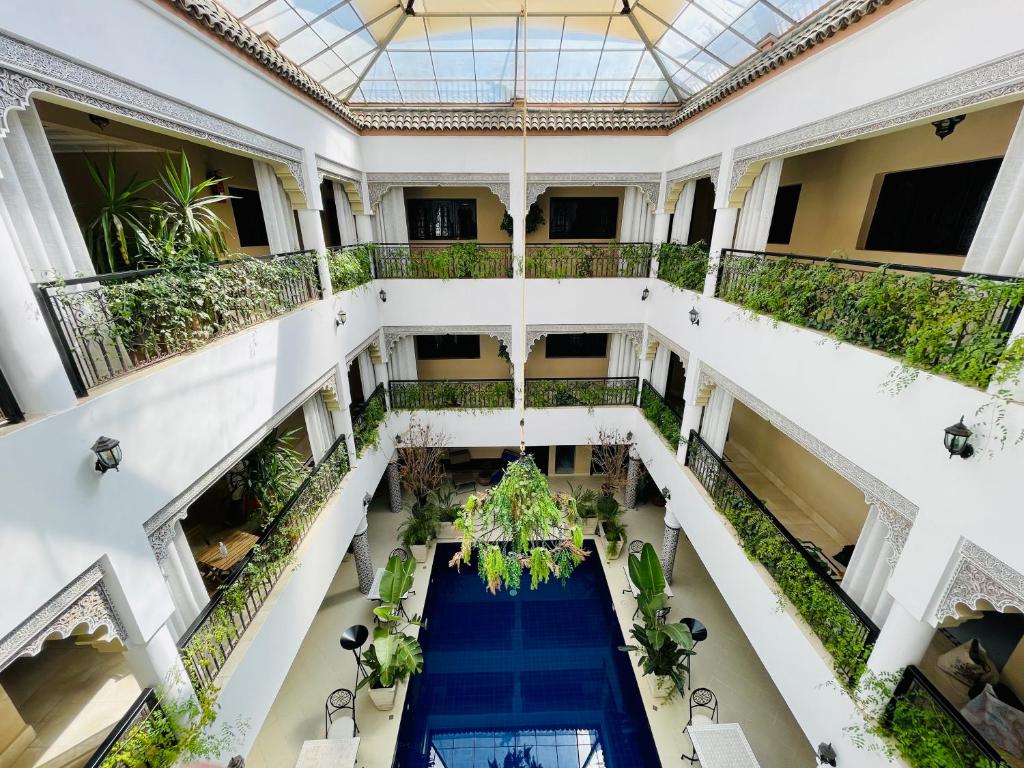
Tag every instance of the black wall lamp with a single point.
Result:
(666, 493)
(108, 453)
(645, 294)
(956, 440)
(367, 499)
(947, 125)
(826, 754)
(383, 295)
(694, 316)
(340, 318)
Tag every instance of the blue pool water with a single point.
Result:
(541, 671)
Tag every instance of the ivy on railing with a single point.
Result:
(471, 394)
(350, 266)
(590, 392)
(367, 418)
(666, 419)
(684, 266)
(944, 321)
(465, 260)
(558, 261)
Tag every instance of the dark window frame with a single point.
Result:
(575, 222)
(787, 200)
(575, 345)
(448, 346)
(421, 215)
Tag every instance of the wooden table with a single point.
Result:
(328, 753)
(238, 544)
(721, 746)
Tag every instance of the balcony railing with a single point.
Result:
(367, 417)
(350, 266)
(917, 709)
(941, 320)
(143, 728)
(471, 394)
(665, 417)
(107, 326)
(10, 412)
(447, 261)
(558, 261)
(843, 628)
(207, 644)
(555, 393)
(685, 266)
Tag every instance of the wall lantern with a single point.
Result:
(947, 125)
(367, 499)
(99, 121)
(629, 437)
(398, 439)
(694, 316)
(666, 493)
(383, 295)
(956, 440)
(645, 294)
(108, 453)
(340, 318)
(826, 754)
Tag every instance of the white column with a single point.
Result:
(343, 209)
(716, 420)
(755, 217)
(157, 663)
(277, 210)
(869, 570)
(380, 373)
(366, 375)
(632, 478)
(189, 567)
(364, 228)
(343, 416)
(517, 209)
(721, 237)
(185, 607)
(683, 213)
(659, 234)
(902, 641)
(313, 240)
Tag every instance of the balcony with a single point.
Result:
(107, 326)
(939, 320)
(367, 418)
(684, 266)
(447, 261)
(664, 416)
(588, 392)
(463, 394)
(557, 261)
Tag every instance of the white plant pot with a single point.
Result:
(419, 552)
(612, 550)
(447, 532)
(383, 698)
(589, 526)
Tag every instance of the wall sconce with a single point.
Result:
(383, 295)
(947, 125)
(340, 318)
(694, 316)
(99, 121)
(108, 453)
(629, 437)
(956, 439)
(398, 439)
(826, 754)
(666, 493)
(645, 294)
(366, 500)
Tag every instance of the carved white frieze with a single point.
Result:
(379, 183)
(632, 331)
(392, 333)
(537, 183)
(979, 580)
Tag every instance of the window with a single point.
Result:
(781, 229)
(576, 345)
(329, 215)
(245, 205)
(565, 459)
(931, 210)
(448, 347)
(702, 218)
(583, 217)
(441, 219)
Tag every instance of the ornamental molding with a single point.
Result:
(897, 526)
(980, 579)
(26, 70)
(392, 333)
(537, 183)
(666, 342)
(698, 169)
(380, 183)
(632, 331)
(83, 602)
(871, 486)
(160, 527)
(349, 178)
(996, 79)
(358, 349)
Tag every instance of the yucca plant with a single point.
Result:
(188, 209)
(118, 224)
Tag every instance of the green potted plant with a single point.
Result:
(612, 531)
(418, 529)
(586, 507)
(445, 511)
(393, 656)
(662, 647)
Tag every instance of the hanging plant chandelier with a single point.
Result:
(518, 526)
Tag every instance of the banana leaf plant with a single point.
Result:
(662, 647)
(393, 656)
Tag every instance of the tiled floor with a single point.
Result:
(725, 663)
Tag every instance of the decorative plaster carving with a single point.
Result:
(380, 183)
(979, 578)
(358, 349)
(677, 177)
(349, 178)
(997, 79)
(649, 183)
(392, 333)
(681, 353)
(25, 69)
(82, 602)
(897, 526)
(632, 331)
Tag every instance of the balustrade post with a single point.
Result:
(669, 545)
(364, 564)
(395, 486)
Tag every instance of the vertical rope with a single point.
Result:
(522, 212)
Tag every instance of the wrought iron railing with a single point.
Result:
(943, 320)
(444, 261)
(350, 266)
(564, 260)
(590, 392)
(917, 707)
(685, 266)
(144, 721)
(665, 417)
(471, 394)
(10, 411)
(107, 326)
(367, 417)
(844, 629)
(208, 642)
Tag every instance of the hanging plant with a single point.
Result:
(519, 526)
(534, 218)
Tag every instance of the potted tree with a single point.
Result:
(393, 656)
(612, 531)
(445, 511)
(418, 529)
(663, 647)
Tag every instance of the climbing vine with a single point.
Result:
(684, 266)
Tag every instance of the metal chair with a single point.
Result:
(701, 699)
(400, 552)
(636, 547)
(340, 726)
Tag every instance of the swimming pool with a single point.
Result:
(541, 671)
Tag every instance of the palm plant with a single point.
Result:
(188, 209)
(117, 224)
(273, 472)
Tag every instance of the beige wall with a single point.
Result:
(488, 366)
(144, 165)
(489, 209)
(840, 184)
(583, 457)
(539, 366)
(829, 494)
(1012, 673)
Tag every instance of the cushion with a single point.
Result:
(342, 728)
(969, 664)
(701, 720)
(999, 723)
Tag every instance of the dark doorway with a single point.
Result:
(355, 383)
(329, 215)
(703, 219)
(541, 455)
(565, 459)
(676, 383)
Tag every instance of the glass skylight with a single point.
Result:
(485, 52)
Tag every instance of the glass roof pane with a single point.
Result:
(622, 34)
(676, 46)
(323, 65)
(725, 11)
(572, 91)
(730, 47)
(340, 81)
(759, 21)
(240, 7)
(491, 91)
(697, 25)
(453, 65)
(609, 91)
(411, 65)
(337, 25)
(310, 9)
(578, 64)
(419, 91)
(303, 46)
(450, 34)
(798, 9)
(380, 91)
(494, 34)
(540, 90)
(411, 36)
(541, 65)
(646, 91)
(381, 69)
(457, 91)
(584, 32)
(277, 19)
(618, 64)
(707, 66)
(356, 46)
(543, 33)
(495, 66)
(649, 67)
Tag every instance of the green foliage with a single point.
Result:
(684, 266)
(273, 471)
(588, 393)
(420, 524)
(366, 423)
(113, 233)
(468, 259)
(664, 419)
(350, 267)
(391, 659)
(440, 394)
(575, 260)
(519, 526)
(933, 323)
(187, 210)
(585, 501)
(534, 219)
